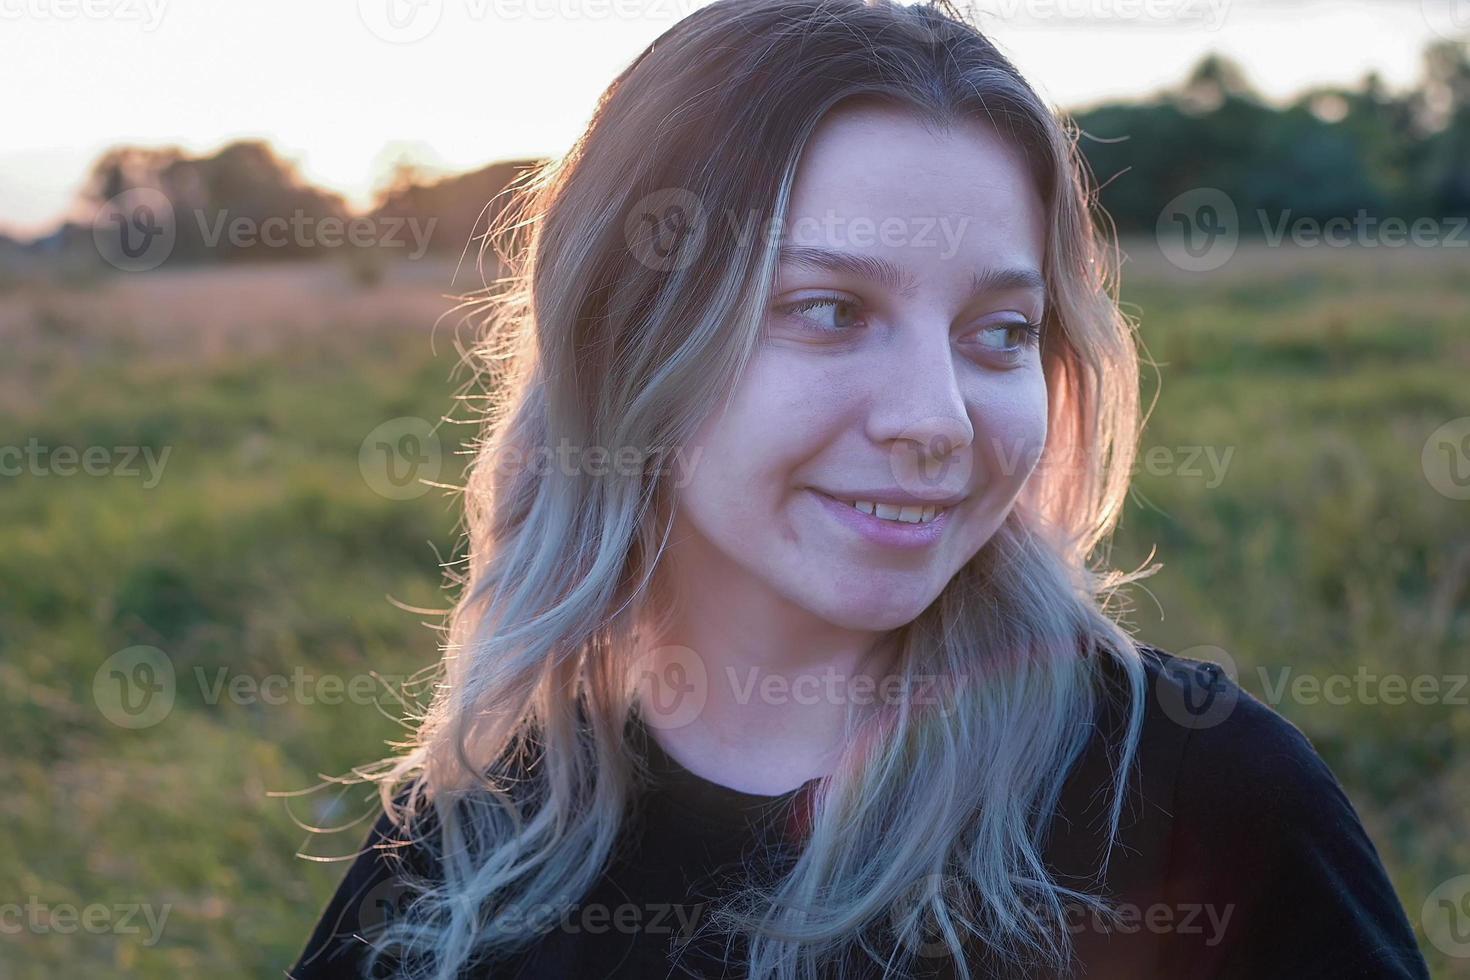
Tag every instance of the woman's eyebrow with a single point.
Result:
(869, 267)
(994, 280)
(889, 274)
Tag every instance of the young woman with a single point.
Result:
(781, 652)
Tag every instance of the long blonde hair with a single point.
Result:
(597, 341)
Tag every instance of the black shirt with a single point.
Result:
(1239, 856)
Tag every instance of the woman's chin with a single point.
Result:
(877, 609)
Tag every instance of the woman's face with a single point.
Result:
(914, 391)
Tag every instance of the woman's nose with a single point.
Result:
(918, 410)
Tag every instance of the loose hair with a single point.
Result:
(602, 333)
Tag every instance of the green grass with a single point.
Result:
(263, 550)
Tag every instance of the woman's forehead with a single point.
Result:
(878, 177)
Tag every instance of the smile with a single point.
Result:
(893, 512)
(888, 525)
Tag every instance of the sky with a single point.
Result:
(346, 87)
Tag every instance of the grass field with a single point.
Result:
(1286, 495)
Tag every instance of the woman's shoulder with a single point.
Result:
(1234, 762)
(1202, 737)
(1236, 825)
(1220, 738)
(1206, 748)
(1228, 766)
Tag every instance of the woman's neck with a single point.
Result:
(758, 697)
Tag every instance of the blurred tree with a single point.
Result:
(222, 202)
(1331, 153)
(454, 211)
(1213, 82)
(1443, 108)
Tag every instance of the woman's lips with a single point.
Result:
(880, 530)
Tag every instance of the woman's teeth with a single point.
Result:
(893, 512)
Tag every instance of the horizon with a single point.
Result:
(200, 98)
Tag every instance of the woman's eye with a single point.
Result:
(827, 314)
(1008, 339)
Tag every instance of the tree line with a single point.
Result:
(1332, 152)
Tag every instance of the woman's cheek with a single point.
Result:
(1011, 434)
